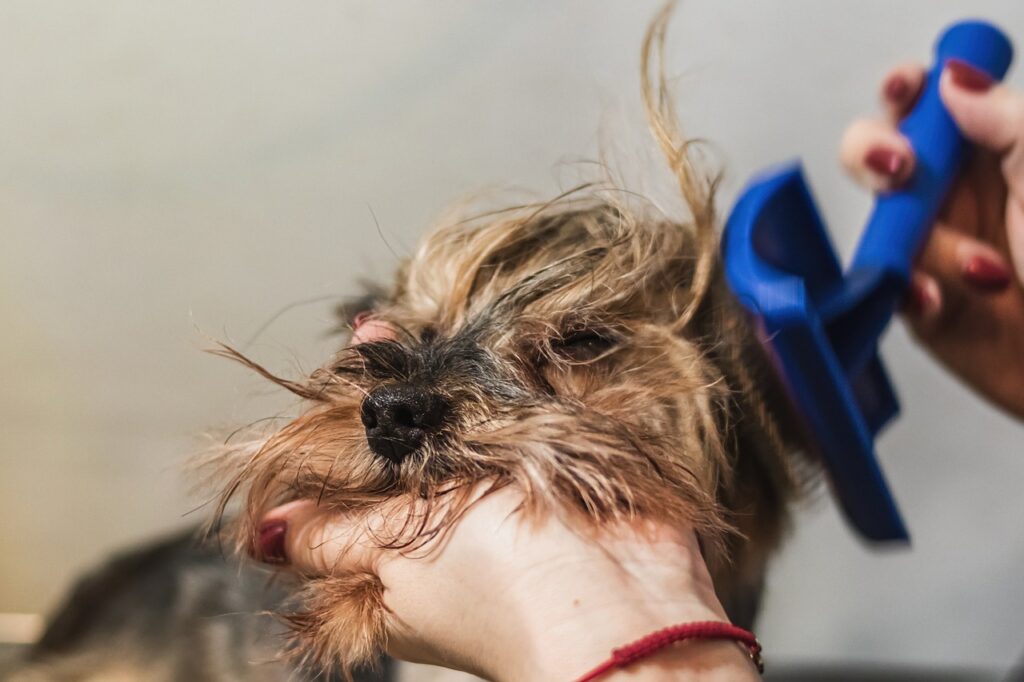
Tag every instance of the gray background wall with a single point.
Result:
(175, 170)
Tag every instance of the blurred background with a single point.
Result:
(176, 172)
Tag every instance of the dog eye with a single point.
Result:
(583, 345)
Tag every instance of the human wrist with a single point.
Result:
(570, 613)
(694, 661)
(584, 648)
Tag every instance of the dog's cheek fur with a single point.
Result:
(662, 390)
(320, 455)
(343, 622)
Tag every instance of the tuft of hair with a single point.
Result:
(342, 625)
(696, 186)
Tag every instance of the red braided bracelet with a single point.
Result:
(656, 641)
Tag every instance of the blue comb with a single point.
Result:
(822, 325)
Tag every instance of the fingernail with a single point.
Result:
(968, 77)
(896, 89)
(884, 161)
(923, 301)
(986, 274)
(271, 542)
(361, 318)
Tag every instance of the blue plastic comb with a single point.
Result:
(822, 325)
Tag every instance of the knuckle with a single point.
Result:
(852, 142)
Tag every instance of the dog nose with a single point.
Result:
(398, 417)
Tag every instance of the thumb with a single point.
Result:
(988, 114)
(315, 541)
(992, 116)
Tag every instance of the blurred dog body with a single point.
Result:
(172, 611)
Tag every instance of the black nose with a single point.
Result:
(397, 418)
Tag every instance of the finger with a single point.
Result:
(876, 155)
(988, 114)
(992, 116)
(953, 272)
(315, 541)
(962, 263)
(984, 269)
(368, 330)
(924, 299)
(1015, 236)
(937, 289)
(901, 88)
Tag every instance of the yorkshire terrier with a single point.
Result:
(586, 351)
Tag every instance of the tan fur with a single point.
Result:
(677, 418)
(343, 622)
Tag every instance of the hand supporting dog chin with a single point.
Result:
(967, 298)
(510, 599)
(507, 599)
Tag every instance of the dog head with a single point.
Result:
(585, 351)
(587, 354)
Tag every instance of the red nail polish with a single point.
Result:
(986, 274)
(884, 161)
(896, 89)
(361, 318)
(968, 77)
(271, 542)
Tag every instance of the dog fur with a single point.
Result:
(586, 351)
(169, 611)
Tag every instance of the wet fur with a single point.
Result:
(676, 416)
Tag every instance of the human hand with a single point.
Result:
(508, 598)
(966, 303)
